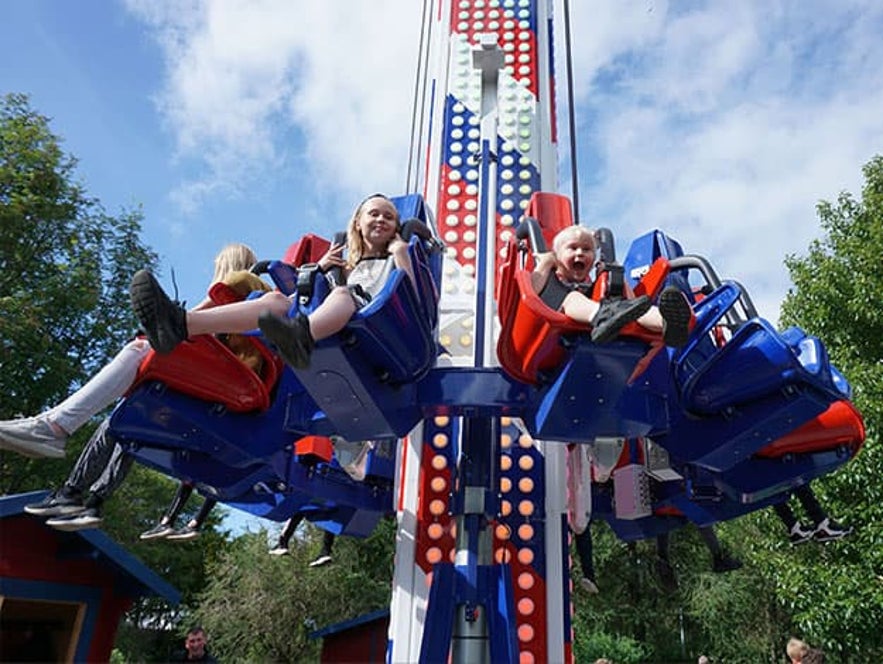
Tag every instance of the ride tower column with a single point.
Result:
(473, 487)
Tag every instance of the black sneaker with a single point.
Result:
(829, 530)
(90, 517)
(613, 314)
(164, 321)
(291, 337)
(676, 315)
(725, 564)
(58, 503)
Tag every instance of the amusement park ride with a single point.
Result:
(496, 425)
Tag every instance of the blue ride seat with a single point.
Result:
(583, 389)
(732, 398)
(364, 377)
(756, 361)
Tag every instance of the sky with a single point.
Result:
(256, 121)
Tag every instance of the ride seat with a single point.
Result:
(205, 368)
(531, 341)
(533, 336)
(840, 424)
(755, 362)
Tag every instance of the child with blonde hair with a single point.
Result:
(375, 248)
(103, 464)
(45, 435)
(561, 279)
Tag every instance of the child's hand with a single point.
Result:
(397, 246)
(332, 258)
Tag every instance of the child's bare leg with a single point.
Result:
(579, 307)
(652, 320)
(332, 315)
(606, 317)
(238, 316)
(295, 337)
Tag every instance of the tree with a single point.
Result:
(259, 608)
(65, 266)
(64, 272)
(836, 595)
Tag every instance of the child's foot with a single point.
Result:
(676, 315)
(829, 530)
(725, 564)
(57, 503)
(90, 517)
(291, 336)
(32, 437)
(589, 585)
(800, 534)
(279, 550)
(613, 314)
(184, 534)
(159, 531)
(323, 559)
(163, 320)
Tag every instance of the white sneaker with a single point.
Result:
(589, 585)
(88, 518)
(183, 534)
(159, 531)
(279, 550)
(31, 437)
(829, 530)
(323, 559)
(800, 533)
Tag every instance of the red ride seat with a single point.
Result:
(840, 425)
(530, 337)
(205, 368)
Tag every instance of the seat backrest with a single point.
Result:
(647, 250)
(840, 424)
(309, 249)
(530, 339)
(553, 211)
(206, 368)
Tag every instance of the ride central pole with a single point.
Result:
(487, 57)
(475, 504)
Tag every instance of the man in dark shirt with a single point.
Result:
(195, 648)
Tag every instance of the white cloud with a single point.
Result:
(242, 76)
(722, 123)
(725, 124)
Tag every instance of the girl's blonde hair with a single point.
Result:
(232, 258)
(355, 243)
(572, 231)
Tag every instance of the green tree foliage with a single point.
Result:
(64, 272)
(135, 507)
(829, 594)
(257, 608)
(836, 594)
(65, 267)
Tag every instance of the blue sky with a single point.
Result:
(722, 123)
